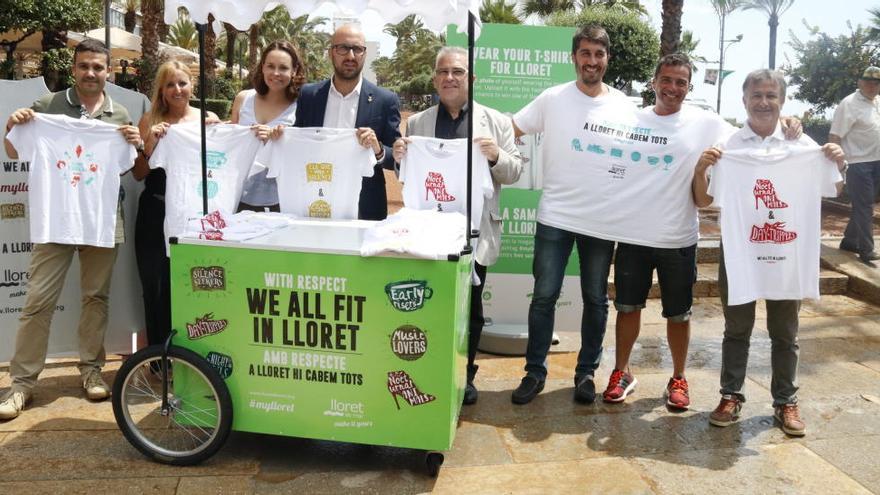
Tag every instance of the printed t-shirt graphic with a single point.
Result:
(649, 200)
(579, 155)
(230, 156)
(73, 179)
(319, 171)
(434, 176)
(770, 203)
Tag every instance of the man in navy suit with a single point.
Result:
(348, 100)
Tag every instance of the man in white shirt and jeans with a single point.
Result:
(856, 127)
(763, 96)
(50, 261)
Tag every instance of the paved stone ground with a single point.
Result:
(65, 444)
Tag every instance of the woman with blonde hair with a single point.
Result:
(172, 90)
(271, 104)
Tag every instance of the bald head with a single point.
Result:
(348, 49)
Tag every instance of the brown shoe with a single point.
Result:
(790, 419)
(727, 411)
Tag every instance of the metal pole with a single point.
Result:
(470, 119)
(720, 65)
(202, 90)
(107, 23)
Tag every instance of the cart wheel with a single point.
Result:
(433, 460)
(199, 414)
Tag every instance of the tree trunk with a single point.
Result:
(253, 47)
(151, 11)
(129, 20)
(52, 40)
(773, 23)
(670, 35)
(231, 36)
(210, 48)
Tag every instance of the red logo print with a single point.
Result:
(434, 183)
(765, 192)
(772, 232)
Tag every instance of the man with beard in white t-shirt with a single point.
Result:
(559, 113)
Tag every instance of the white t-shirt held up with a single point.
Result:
(230, 155)
(770, 201)
(319, 171)
(73, 179)
(434, 176)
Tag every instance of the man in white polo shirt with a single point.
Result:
(856, 127)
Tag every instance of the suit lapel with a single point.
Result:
(321, 103)
(365, 104)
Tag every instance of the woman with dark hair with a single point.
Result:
(272, 103)
(172, 90)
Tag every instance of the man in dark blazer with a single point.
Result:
(348, 100)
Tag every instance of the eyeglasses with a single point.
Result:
(344, 49)
(456, 73)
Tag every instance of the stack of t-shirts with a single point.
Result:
(220, 226)
(421, 233)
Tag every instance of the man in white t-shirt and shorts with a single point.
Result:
(50, 261)
(669, 241)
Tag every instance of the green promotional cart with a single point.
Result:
(296, 334)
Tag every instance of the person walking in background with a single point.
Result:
(856, 127)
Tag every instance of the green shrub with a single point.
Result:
(219, 106)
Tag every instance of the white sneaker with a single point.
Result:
(12, 406)
(95, 386)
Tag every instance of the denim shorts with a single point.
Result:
(676, 271)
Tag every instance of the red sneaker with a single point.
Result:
(677, 393)
(620, 385)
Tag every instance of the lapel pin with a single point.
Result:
(369, 98)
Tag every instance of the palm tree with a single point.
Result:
(874, 26)
(229, 35)
(129, 19)
(688, 46)
(773, 9)
(499, 12)
(405, 31)
(544, 8)
(152, 12)
(183, 33)
(671, 30)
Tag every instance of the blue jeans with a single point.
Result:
(861, 182)
(552, 249)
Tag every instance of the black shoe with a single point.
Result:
(584, 389)
(847, 247)
(470, 391)
(528, 388)
(470, 394)
(870, 256)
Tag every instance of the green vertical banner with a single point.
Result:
(328, 346)
(513, 64)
